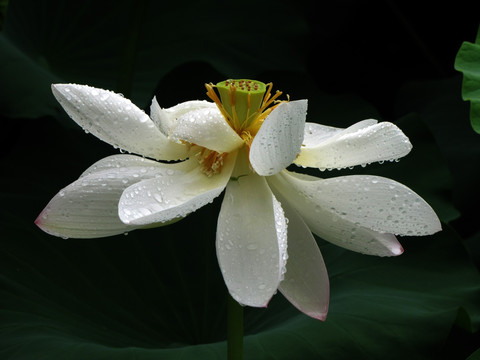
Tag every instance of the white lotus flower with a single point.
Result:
(242, 142)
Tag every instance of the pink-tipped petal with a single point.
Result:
(306, 283)
(88, 208)
(329, 225)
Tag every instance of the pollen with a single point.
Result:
(211, 161)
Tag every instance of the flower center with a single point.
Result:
(211, 161)
(244, 104)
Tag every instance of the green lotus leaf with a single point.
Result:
(468, 62)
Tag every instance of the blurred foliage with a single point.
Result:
(474, 356)
(158, 294)
(3, 12)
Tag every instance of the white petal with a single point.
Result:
(327, 224)
(208, 128)
(164, 119)
(374, 202)
(117, 121)
(306, 283)
(125, 162)
(354, 146)
(88, 208)
(317, 133)
(173, 195)
(251, 241)
(278, 141)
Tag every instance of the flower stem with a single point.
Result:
(234, 330)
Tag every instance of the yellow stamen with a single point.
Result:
(214, 97)
(247, 137)
(211, 161)
(251, 100)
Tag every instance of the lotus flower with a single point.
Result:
(242, 143)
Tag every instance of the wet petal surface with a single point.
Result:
(374, 202)
(165, 119)
(88, 208)
(251, 241)
(278, 141)
(251, 237)
(117, 121)
(330, 226)
(174, 194)
(306, 283)
(208, 128)
(360, 144)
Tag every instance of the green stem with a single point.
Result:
(234, 330)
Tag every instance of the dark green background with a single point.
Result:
(158, 294)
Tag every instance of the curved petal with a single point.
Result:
(164, 119)
(125, 162)
(251, 241)
(317, 133)
(208, 128)
(354, 146)
(173, 195)
(88, 208)
(306, 283)
(327, 224)
(374, 202)
(117, 121)
(279, 139)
